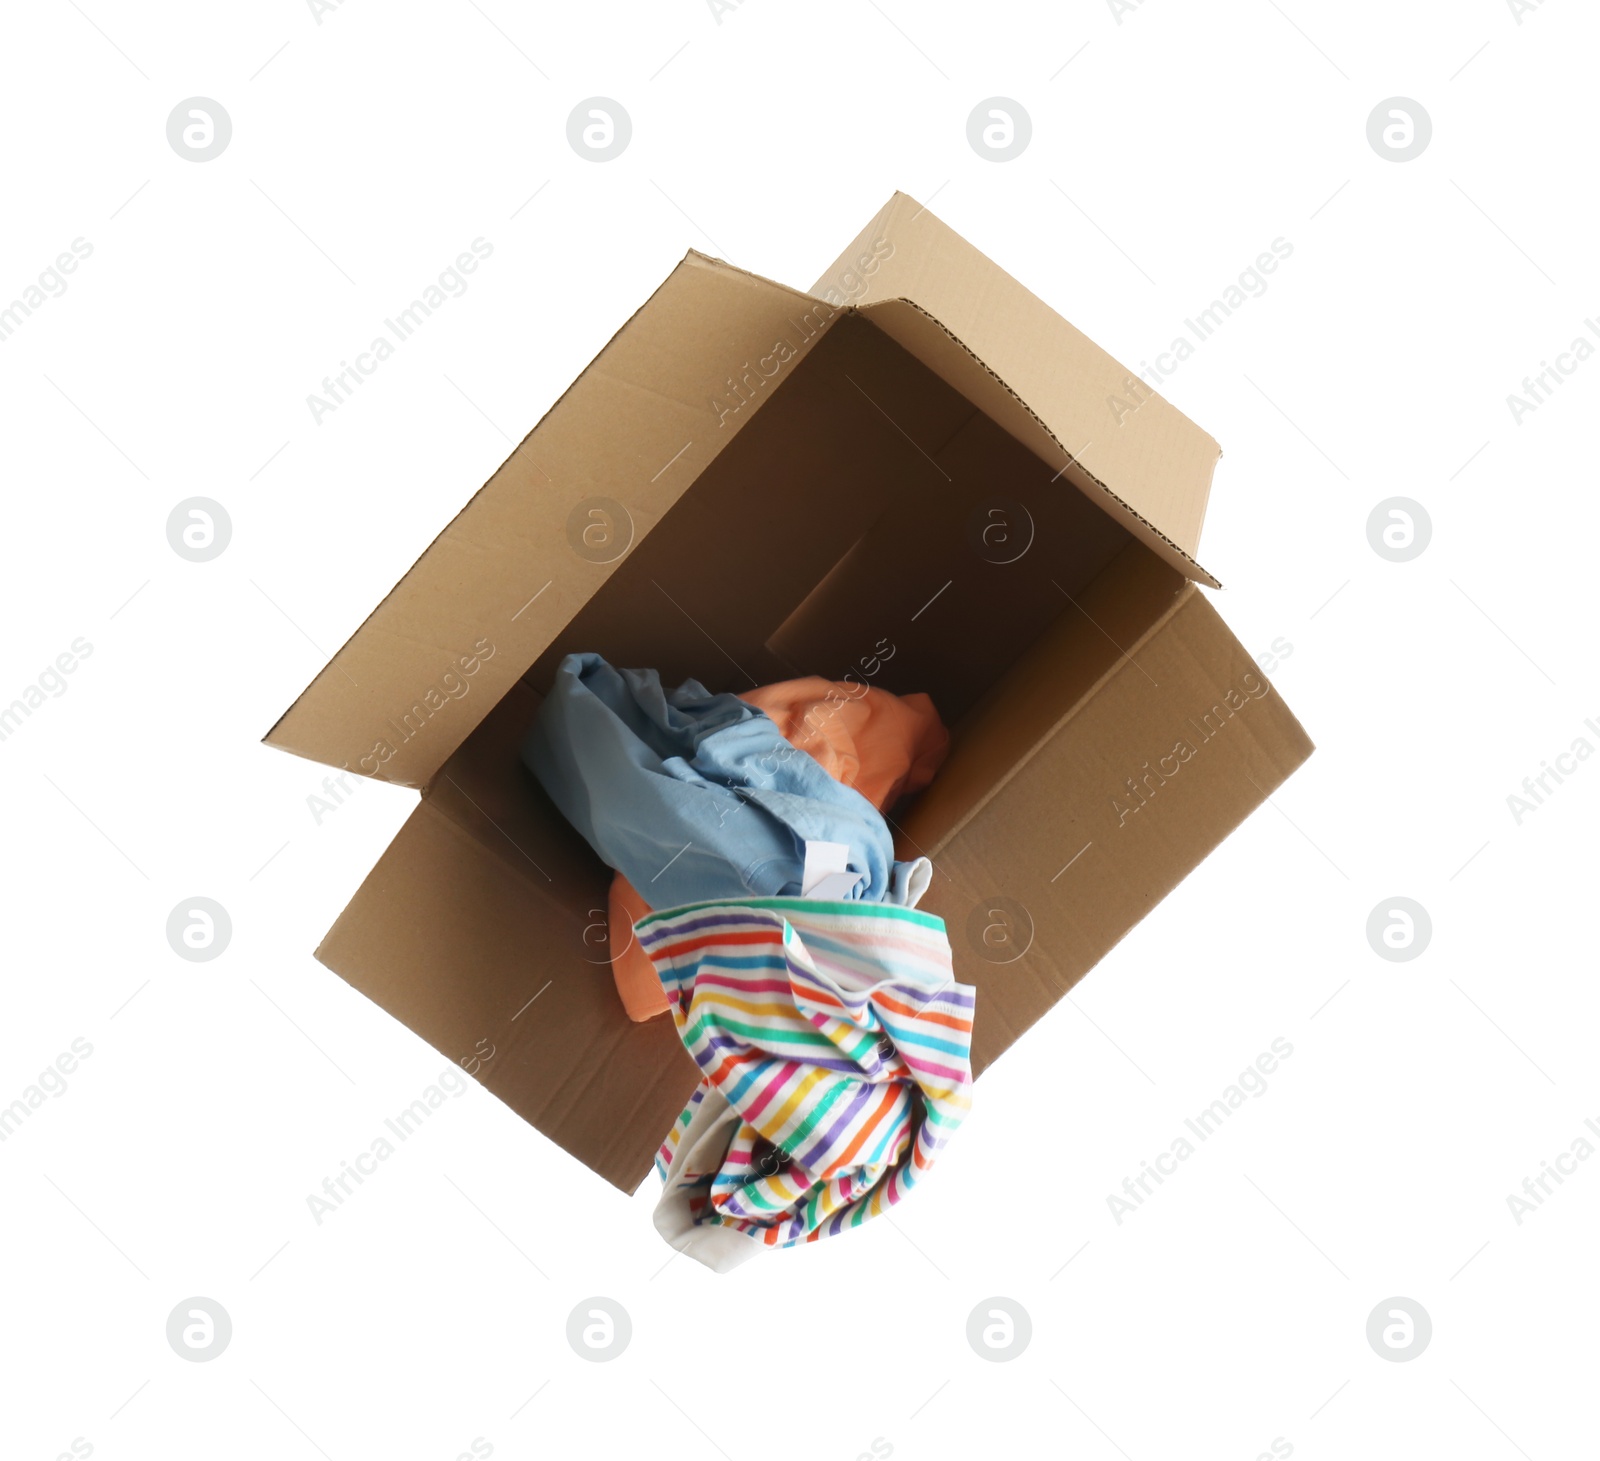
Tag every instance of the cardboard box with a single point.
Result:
(915, 474)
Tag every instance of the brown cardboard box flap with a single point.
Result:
(1150, 460)
(670, 389)
(953, 361)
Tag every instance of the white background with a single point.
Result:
(1170, 147)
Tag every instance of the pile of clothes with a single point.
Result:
(757, 899)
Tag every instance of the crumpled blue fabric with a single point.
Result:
(693, 796)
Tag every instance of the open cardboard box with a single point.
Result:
(916, 475)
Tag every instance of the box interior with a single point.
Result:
(869, 523)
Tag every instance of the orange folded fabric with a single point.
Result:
(886, 746)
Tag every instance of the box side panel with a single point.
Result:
(1126, 436)
(1180, 742)
(462, 947)
(1099, 627)
(667, 393)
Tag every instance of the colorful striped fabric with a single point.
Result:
(835, 1050)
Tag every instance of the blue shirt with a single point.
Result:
(696, 797)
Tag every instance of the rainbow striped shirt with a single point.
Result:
(837, 1035)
